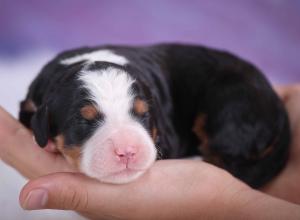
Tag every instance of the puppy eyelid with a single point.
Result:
(89, 112)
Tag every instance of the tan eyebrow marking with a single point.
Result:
(89, 112)
(140, 107)
(72, 154)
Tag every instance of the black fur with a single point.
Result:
(245, 122)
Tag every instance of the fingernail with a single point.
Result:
(36, 199)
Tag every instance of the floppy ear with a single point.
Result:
(40, 125)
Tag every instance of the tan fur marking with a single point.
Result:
(59, 141)
(29, 106)
(89, 112)
(199, 130)
(140, 106)
(72, 154)
(154, 134)
(266, 152)
(269, 149)
(263, 154)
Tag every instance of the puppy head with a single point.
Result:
(100, 119)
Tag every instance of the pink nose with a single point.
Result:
(125, 155)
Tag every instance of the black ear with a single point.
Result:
(40, 125)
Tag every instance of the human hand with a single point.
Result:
(286, 185)
(171, 189)
(167, 187)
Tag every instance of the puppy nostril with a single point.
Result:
(125, 154)
(121, 155)
(129, 154)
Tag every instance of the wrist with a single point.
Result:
(252, 204)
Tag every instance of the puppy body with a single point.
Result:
(113, 110)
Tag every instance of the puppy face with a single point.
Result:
(100, 119)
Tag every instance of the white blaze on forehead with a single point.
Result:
(110, 89)
(98, 55)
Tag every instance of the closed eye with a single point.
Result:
(142, 118)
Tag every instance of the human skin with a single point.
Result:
(171, 189)
(286, 185)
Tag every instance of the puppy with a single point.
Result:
(113, 110)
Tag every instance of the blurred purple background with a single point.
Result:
(266, 32)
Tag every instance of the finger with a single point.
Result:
(67, 191)
(291, 97)
(286, 91)
(280, 90)
(18, 149)
(74, 191)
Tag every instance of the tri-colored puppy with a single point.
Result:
(113, 110)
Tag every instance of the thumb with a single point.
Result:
(65, 191)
